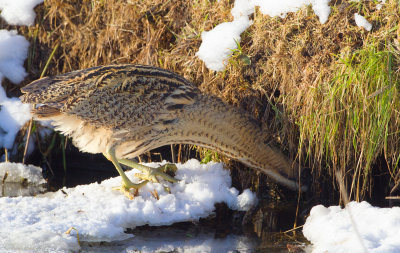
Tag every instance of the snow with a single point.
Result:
(218, 43)
(13, 52)
(242, 8)
(17, 172)
(21, 180)
(380, 4)
(322, 9)
(283, 7)
(331, 230)
(13, 114)
(18, 12)
(362, 22)
(99, 213)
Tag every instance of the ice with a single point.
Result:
(177, 241)
(17, 173)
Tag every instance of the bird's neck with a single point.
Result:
(234, 133)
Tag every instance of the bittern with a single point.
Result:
(126, 110)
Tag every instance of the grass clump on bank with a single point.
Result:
(352, 119)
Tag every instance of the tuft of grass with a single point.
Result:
(238, 56)
(207, 155)
(353, 118)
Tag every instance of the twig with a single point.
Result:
(48, 60)
(392, 197)
(293, 229)
(30, 121)
(395, 187)
(173, 153)
(64, 159)
(28, 137)
(4, 177)
(6, 154)
(179, 153)
(68, 232)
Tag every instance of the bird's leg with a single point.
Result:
(127, 184)
(149, 173)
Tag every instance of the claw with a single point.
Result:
(126, 190)
(152, 174)
(155, 194)
(148, 174)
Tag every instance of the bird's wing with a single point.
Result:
(130, 99)
(110, 95)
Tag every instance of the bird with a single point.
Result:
(125, 110)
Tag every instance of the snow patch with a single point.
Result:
(243, 8)
(219, 42)
(102, 214)
(18, 12)
(13, 52)
(331, 230)
(322, 9)
(13, 114)
(362, 22)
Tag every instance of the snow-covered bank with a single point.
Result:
(13, 52)
(331, 229)
(13, 114)
(218, 43)
(99, 213)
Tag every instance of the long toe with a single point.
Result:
(129, 189)
(154, 174)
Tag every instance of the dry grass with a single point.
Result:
(294, 63)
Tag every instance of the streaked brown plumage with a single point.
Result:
(136, 108)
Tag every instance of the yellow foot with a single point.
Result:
(165, 172)
(153, 174)
(127, 184)
(132, 190)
